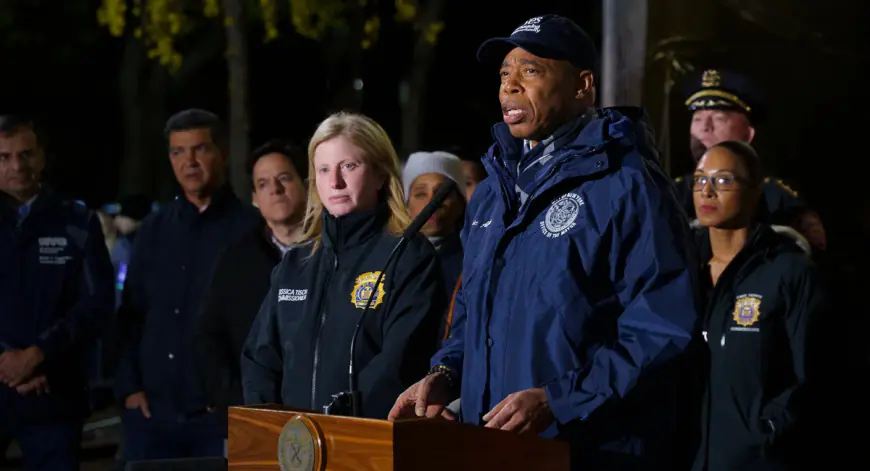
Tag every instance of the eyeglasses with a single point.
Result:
(718, 182)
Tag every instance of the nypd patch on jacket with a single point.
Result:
(762, 326)
(585, 289)
(298, 348)
(56, 292)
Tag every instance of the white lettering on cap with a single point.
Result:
(533, 25)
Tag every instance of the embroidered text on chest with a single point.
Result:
(562, 215)
(51, 250)
(292, 295)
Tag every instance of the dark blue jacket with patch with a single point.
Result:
(56, 293)
(174, 254)
(587, 289)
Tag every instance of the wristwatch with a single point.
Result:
(448, 373)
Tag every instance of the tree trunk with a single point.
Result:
(623, 52)
(413, 97)
(237, 64)
(156, 145)
(344, 56)
(671, 19)
(136, 171)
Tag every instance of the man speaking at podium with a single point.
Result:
(577, 296)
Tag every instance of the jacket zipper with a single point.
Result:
(715, 301)
(323, 304)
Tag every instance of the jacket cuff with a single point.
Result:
(561, 399)
(453, 364)
(47, 346)
(125, 385)
(774, 420)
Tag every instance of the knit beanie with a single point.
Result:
(444, 163)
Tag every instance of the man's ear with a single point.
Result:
(585, 85)
(751, 135)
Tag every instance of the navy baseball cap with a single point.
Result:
(549, 36)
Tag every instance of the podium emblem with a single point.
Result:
(300, 446)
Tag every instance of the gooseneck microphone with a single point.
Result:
(349, 402)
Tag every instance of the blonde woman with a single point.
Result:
(297, 351)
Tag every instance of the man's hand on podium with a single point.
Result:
(525, 412)
(428, 398)
(138, 401)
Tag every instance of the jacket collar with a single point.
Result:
(760, 241)
(222, 198)
(353, 229)
(44, 199)
(580, 149)
(262, 237)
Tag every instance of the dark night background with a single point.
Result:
(61, 66)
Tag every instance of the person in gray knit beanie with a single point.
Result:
(422, 176)
(442, 163)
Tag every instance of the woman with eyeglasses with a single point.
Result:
(764, 297)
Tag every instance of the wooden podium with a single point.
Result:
(272, 437)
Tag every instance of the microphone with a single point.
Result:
(349, 402)
(429, 210)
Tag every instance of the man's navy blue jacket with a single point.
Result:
(174, 254)
(56, 292)
(587, 289)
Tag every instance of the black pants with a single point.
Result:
(46, 446)
(155, 439)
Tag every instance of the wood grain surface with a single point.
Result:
(351, 444)
(354, 444)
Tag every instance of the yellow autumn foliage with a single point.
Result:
(406, 10)
(270, 19)
(162, 22)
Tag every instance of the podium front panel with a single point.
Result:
(287, 440)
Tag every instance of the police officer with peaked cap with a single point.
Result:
(726, 106)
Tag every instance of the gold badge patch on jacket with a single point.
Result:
(363, 288)
(747, 309)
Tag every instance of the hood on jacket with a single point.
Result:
(787, 231)
(627, 125)
(791, 233)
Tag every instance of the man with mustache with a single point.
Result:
(158, 380)
(726, 106)
(577, 299)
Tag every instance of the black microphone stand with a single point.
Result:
(349, 402)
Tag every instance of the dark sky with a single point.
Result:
(63, 68)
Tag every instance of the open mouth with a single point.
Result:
(512, 114)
